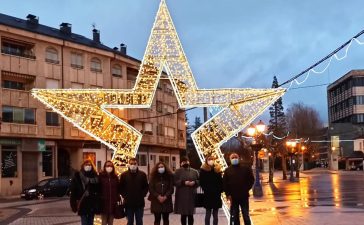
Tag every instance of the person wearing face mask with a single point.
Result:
(133, 188)
(186, 182)
(109, 193)
(84, 191)
(211, 184)
(161, 188)
(237, 181)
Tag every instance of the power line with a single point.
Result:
(311, 86)
(323, 59)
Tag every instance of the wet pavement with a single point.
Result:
(319, 197)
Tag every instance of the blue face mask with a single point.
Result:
(235, 162)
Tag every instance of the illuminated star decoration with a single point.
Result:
(88, 109)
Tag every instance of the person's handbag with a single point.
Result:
(119, 212)
(199, 199)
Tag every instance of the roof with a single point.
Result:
(356, 154)
(343, 78)
(56, 33)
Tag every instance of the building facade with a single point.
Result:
(35, 143)
(346, 117)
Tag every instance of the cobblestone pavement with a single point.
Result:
(319, 198)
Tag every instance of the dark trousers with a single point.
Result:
(214, 215)
(87, 219)
(158, 217)
(135, 212)
(184, 219)
(234, 211)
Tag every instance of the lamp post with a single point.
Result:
(255, 132)
(292, 145)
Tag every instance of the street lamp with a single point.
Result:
(255, 132)
(291, 144)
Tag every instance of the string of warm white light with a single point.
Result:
(335, 56)
(89, 109)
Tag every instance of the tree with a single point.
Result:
(278, 127)
(304, 123)
(197, 123)
(190, 148)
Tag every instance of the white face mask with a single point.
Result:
(210, 162)
(161, 170)
(133, 167)
(109, 169)
(87, 168)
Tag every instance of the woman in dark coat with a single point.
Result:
(161, 189)
(186, 181)
(109, 193)
(84, 189)
(212, 186)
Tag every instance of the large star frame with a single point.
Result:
(89, 109)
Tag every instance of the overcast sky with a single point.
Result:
(230, 43)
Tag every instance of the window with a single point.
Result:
(96, 65)
(168, 89)
(52, 119)
(169, 131)
(116, 71)
(52, 84)
(159, 106)
(159, 86)
(9, 161)
(168, 109)
(51, 55)
(160, 130)
(148, 128)
(76, 85)
(13, 85)
(142, 160)
(76, 60)
(17, 48)
(181, 134)
(47, 162)
(18, 115)
(164, 159)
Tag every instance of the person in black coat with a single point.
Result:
(133, 188)
(237, 181)
(84, 190)
(161, 188)
(109, 182)
(211, 184)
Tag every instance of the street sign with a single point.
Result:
(41, 145)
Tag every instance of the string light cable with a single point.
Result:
(329, 57)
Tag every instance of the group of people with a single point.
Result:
(93, 193)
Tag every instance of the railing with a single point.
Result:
(12, 51)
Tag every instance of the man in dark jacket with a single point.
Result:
(134, 187)
(238, 180)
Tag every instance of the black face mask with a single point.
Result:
(185, 165)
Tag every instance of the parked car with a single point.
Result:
(47, 188)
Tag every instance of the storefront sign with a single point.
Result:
(41, 145)
(4, 141)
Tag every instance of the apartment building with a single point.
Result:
(35, 143)
(346, 118)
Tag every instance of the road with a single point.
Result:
(319, 197)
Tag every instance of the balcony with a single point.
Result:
(19, 129)
(17, 52)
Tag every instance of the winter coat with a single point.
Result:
(161, 184)
(85, 196)
(185, 195)
(134, 187)
(109, 192)
(211, 184)
(237, 181)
